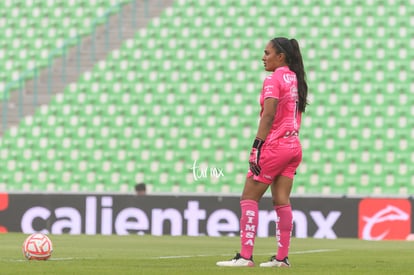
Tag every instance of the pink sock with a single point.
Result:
(248, 226)
(283, 230)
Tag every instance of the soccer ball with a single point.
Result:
(37, 246)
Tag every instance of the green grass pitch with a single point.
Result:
(82, 254)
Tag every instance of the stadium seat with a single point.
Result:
(186, 87)
(36, 31)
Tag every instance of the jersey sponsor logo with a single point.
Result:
(294, 92)
(291, 134)
(384, 219)
(268, 89)
(288, 78)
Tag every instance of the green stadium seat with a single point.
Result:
(152, 124)
(37, 31)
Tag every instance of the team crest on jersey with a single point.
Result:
(288, 78)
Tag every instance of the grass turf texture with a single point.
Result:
(81, 254)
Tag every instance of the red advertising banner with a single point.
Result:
(4, 204)
(384, 219)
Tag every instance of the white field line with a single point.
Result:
(180, 256)
(50, 259)
(227, 255)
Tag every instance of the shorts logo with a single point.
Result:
(384, 219)
(4, 204)
(268, 177)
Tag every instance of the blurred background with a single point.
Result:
(99, 95)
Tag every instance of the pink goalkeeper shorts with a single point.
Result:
(278, 161)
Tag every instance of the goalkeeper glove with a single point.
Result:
(255, 156)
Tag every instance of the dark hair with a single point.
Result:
(140, 187)
(295, 62)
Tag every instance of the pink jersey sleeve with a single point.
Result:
(271, 87)
(282, 85)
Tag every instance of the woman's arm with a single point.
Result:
(268, 115)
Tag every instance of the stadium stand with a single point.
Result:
(33, 29)
(176, 105)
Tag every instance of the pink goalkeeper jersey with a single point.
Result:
(282, 85)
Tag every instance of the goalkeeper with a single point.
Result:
(276, 152)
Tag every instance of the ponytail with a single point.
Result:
(295, 62)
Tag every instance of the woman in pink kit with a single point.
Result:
(276, 151)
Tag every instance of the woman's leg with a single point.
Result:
(252, 193)
(281, 189)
